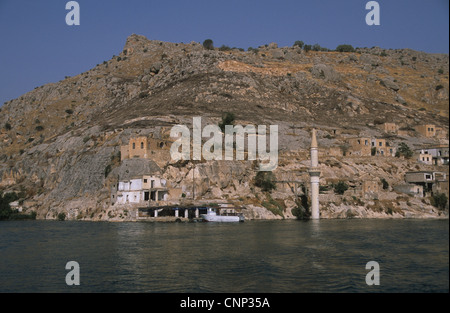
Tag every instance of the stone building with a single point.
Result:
(441, 186)
(144, 147)
(370, 186)
(140, 190)
(390, 127)
(438, 155)
(144, 190)
(430, 181)
(359, 146)
(410, 189)
(426, 130)
(383, 147)
(362, 146)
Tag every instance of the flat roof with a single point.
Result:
(425, 172)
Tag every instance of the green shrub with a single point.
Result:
(299, 44)
(5, 208)
(208, 44)
(61, 216)
(224, 48)
(385, 184)
(439, 87)
(8, 126)
(7, 213)
(108, 170)
(302, 211)
(274, 207)
(439, 200)
(227, 119)
(441, 71)
(316, 47)
(345, 48)
(404, 150)
(340, 187)
(265, 180)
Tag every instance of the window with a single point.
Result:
(366, 142)
(142, 145)
(359, 142)
(427, 176)
(134, 145)
(380, 144)
(145, 180)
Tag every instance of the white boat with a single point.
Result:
(212, 216)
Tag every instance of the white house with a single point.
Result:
(139, 190)
(129, 191)
(433, 155)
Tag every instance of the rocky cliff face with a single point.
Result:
(60, 143)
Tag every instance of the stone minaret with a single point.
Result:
(314, 174)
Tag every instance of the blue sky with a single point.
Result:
(37, 47)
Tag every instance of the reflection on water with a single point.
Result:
(255, 256)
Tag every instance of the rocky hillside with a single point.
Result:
(60, 143)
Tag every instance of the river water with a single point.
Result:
(256, 256)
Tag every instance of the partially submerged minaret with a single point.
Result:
(314, 174)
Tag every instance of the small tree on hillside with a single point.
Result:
(385, 184)
(302, 210)
(208, 44)
(345, 48)
(227, 119)
(404, 150)
(439, 200)
(340, 187)
(299, 44)
(265, 180)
